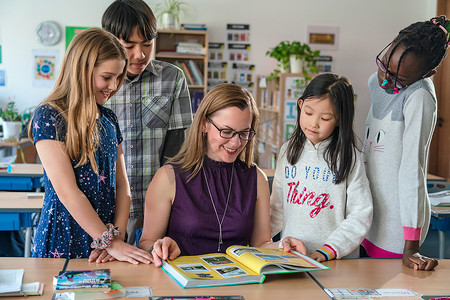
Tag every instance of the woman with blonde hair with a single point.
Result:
(210, 195)
(79, 144)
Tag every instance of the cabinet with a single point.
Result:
(277, 104)
(165, 49)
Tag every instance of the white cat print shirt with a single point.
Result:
(399, 128)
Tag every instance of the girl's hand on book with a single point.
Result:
(290, 243)
(317, 256)
(163, 249)
(126, 252)
(100, 256)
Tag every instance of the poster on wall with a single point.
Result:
(238, 55)
(72, 31)
(242, 74)
(44, 67)
(294, 89)
(238, 33)
(216, 51)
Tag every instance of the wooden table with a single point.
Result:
(345, 273)
(384, 273)
(288, 286)
(435, 177)
(31, 170)
(18, 202)
(23, 177)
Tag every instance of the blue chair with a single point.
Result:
(439, 221)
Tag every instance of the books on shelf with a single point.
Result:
(84, 280)
(191, 72)
(196, 72)
(440, 198)
(11, 284)
(190, 48)
(240, 265)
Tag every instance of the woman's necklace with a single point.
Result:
(214, 206)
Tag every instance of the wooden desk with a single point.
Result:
(435, 177)
(384, 273)
(28, 170)
(17, 202)
(289, 286)
(23, 177)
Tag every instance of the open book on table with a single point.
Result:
(241, 265)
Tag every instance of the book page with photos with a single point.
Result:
(273, 260)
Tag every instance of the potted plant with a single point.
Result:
(11, 122)
(169, 12)
(302, 58)
(281, 53)
(294, 57)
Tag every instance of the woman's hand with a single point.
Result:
(163, 249)
(290, 243)
(126, 252)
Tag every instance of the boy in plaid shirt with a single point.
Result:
(153, 105)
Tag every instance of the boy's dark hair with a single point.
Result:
(425, 40)
(340, 152)
(122, 16)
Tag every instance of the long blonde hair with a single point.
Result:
(193, 150)
(73, 94)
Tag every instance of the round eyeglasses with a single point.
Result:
(244, 135)
(392, 77)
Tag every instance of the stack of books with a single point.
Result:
(87, 284)
(190, 48)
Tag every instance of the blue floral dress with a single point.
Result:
(58, 234)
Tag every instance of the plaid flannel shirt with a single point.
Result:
(147, 106)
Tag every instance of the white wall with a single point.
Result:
(366, 26)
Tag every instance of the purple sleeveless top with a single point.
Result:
(193, 223)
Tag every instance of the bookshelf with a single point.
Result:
(277, 104)
(194, 65)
